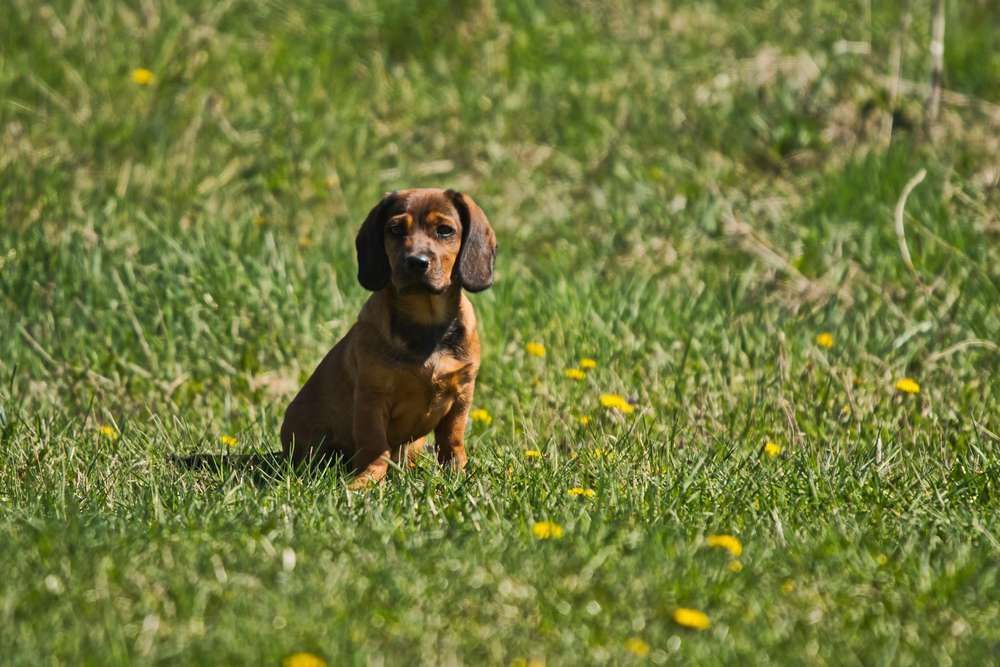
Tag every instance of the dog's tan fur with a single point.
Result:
(408, 365)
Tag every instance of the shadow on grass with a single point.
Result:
(260, 468)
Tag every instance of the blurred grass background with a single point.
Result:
(688, 192)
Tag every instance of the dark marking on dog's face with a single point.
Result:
(423, 236)
(424, 240)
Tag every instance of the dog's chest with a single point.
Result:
(424, 395)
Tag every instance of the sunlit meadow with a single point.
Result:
(738, 400)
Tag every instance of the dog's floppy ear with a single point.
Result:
(373, 264)
(479, 244)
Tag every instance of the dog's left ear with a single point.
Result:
(479, 244)
(373, 264)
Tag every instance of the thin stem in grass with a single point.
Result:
(936, 49)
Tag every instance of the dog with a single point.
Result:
(408, 366)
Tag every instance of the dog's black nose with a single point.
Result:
(418, 263)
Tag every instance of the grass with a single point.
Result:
(687, 193)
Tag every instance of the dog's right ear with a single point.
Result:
(373, 264)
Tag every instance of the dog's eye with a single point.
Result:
(445, 231)
(397, 229)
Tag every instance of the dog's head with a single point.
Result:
(426, 240)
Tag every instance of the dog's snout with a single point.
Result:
(418, 263)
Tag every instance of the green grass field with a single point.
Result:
(688, 193)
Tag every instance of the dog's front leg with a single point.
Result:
(371, 457)
(450, 432)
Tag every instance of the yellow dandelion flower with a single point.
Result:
(825, 339)
(588, 363)
(882, 559)
(303, 659)
(580, 491)
(616, 402)
(535, 349)
(481, 416)
(228, 440)
(772, 449)
(788, 586)
(109, 432)
(532, 454)
(583, 419)
(727, 542)
(735, 566)
(908, 386)
(547, 530)
(574, 374)
(142, 76)
(637, 647)
(691, 618)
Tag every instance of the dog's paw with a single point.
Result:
(454, 464)
(362, 484)
(367, 479)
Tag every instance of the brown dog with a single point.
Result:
(408, 366)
